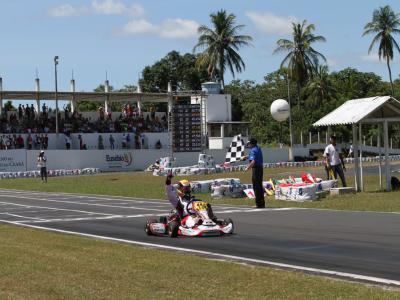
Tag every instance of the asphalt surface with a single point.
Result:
(362, 243)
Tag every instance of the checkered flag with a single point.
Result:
(236, 150)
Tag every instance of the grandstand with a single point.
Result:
(131, 137)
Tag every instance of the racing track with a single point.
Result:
(363, 245)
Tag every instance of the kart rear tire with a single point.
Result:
(173, 229)
(229, 221)
(147, 226)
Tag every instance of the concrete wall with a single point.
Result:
(112, 160)
(218, 107)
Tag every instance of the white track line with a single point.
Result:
(23, 217)
(344, 275)
(80, 203)
(58, 209)
(113, 198)
(89, 218)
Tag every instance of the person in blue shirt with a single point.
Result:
(256, 164)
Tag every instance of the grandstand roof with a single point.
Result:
(92, 96)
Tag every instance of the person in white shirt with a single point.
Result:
(334, 160)
(41, 163)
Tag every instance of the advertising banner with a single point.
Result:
(12, 160)
(117, 160)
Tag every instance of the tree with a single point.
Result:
(178, 69)
(220, 45)
(320, 88)
(385, 23)
(302, 58)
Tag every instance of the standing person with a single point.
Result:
(30, 142)
(351, 151)
(45, 141)
(256, 164)
(67, 142)
(41, 163)
(112, 140)
(128, 141)
(100, 144)
(334, 160)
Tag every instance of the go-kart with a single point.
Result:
(197, 223)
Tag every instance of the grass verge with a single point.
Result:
(42, 265)
(144, 185)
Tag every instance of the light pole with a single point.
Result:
(290, 117)
(56, 90)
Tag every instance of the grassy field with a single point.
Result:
(42, 265)
(144, 185)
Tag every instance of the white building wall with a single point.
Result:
(112, 160)
(218, 107)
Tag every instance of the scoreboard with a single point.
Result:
(186, 129)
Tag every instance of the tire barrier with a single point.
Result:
(197, 170)
(50, 173)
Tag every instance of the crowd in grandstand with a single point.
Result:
(26, 120)
(33, 141)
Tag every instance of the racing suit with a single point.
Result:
(174, 199)
(183, 207)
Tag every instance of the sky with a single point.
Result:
(121, 37)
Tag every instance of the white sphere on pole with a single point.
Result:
(280, 110)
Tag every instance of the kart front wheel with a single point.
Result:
(147, 226)
(173, 228)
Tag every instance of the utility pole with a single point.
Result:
(56, 90)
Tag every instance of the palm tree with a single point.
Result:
(221, 44)
(385, 23)
(320, 87)
(302, 58)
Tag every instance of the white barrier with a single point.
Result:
(302, 192)
(50, 173)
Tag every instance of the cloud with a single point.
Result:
(64, 10)
(108, 7)
(170, 29)
(374, 58)
(271, 24)
(97, 7)
(140, 26)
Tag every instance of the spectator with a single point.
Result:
(45, 141)
(100, 145)
(30, 142)
(41, 163)
(143, 140)
(20, 112)
(158, 145)
(20, 142)
(351, 151)
(80, 142)
(128, 141)
(334, 160)
(124, 141)
(67, 142)
(112, 140)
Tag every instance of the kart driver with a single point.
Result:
(180, 195)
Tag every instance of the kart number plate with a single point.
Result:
(200, 206)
